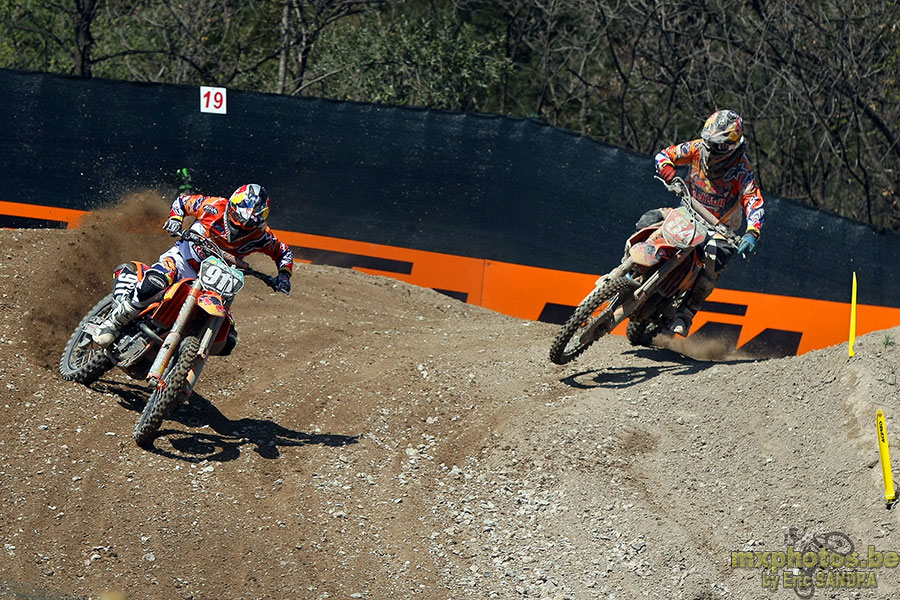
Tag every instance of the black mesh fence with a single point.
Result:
(513, 190)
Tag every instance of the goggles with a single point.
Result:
(245, 218)
(722, 147)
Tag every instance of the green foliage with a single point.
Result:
(817, 82)
(422, 62)
(34, 36)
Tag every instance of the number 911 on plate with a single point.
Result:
(216, 275)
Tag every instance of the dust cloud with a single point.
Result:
(87, 256)
(706, 349)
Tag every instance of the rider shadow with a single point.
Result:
(625, 377)
(265, 436)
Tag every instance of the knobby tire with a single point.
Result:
(583, 317)
(85, 365)
(167, 395)
(641, 334)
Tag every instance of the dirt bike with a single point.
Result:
(170, 340)
(660, 266)
(806, 541)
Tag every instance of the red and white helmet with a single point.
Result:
(248, 209)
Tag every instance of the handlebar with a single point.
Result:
(209, 245)
(679, 187)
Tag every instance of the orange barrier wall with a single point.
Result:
(763, 324)
(45, 214)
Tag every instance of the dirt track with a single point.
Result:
(370, 439)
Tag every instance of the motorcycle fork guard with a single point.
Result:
(683, 281)
(659, 277)
(620, 312)
(209, 335)
(641, 293)
(174, 337)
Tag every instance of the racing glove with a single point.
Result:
(185, 183)
(283, 283)
(667, 172)
(172, 226)
(748, 244)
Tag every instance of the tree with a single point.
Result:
(303, 23)
(48, 35)
(425, 61)
(816, 80)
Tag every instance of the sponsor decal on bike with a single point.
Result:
(813, 561)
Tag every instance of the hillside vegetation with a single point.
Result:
(815, 80)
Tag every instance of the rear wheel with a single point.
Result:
(641, 334)
(82, 360)
(168, 393)
(600, 305)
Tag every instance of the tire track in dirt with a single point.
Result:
(370, 439)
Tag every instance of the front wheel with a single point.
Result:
(168, 393)
(82, 361)
(595, 313)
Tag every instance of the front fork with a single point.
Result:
(213, 324)
(173, 338)
(641, 290)
(175, 335)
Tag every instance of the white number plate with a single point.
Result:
(213, 100)
(216, 275)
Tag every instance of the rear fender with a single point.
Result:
(134, 266)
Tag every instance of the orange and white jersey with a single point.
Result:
(209, 212)
(729, 198)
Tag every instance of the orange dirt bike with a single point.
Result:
(170, 340)
(660, 266)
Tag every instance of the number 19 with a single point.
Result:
(218, 99)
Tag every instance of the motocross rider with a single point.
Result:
(236, 224)
(722, 179)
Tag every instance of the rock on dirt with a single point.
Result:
(371, 439)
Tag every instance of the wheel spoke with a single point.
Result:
(583, 328)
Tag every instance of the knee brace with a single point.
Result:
(125, 281)
(153, 284)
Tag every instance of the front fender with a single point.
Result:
(651, 252)
(212, 303)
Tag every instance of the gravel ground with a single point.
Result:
(371, 439)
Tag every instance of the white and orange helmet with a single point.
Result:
(723, 138)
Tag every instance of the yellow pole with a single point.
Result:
(889, 494)
(853, 315)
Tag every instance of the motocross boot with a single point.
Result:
(685, 316)
(122, 314)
